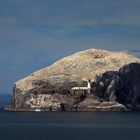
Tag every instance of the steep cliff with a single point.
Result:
(114, 76)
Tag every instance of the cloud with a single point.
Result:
(72, 13)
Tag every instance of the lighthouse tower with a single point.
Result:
(89, 84)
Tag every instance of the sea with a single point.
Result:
(67, 125)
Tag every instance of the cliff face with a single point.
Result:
(122, 86)
(115, 83)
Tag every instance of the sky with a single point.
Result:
(36, 33)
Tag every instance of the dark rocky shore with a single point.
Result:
(90, 80)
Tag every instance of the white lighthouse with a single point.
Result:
(89, 84)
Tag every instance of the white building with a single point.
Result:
(83, 88)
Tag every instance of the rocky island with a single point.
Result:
(90, 80)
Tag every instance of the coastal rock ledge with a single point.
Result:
(90, 80)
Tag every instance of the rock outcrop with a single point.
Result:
(114, 76)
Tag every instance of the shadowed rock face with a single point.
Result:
(114, 77)
(128, 86)
(122, 86)
(105, 85)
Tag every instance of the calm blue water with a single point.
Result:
(4, 99)
(68, 126)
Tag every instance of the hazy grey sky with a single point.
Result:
(35, 33)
